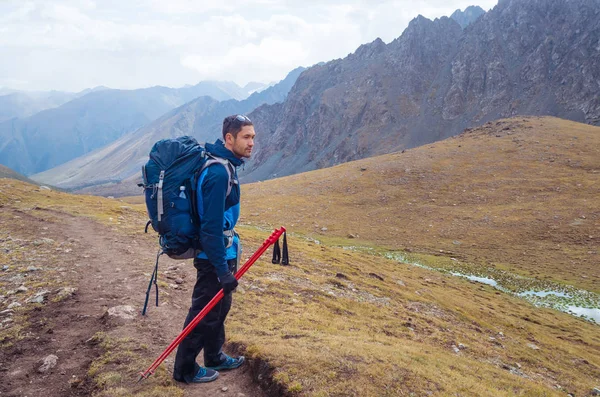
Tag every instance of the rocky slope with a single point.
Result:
(522, 57)
(468, 16)
(6, 172)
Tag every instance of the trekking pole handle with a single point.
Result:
(265, 245)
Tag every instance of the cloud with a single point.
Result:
(129, 44)
(249, 60)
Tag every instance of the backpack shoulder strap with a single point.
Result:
(228, 167)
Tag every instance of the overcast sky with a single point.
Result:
(70, 45)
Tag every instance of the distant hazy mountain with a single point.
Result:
(55, 136)
(24, 104)
(253, 87)
(468, 16)
(21, 104)
(201, 118)
(535, 57)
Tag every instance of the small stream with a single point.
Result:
(566, 298)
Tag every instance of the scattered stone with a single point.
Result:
(401, 283)
(515, 371)
(125, 312)
(350, 235)
(341, 275)
(33, 269)
(377, 276)
(455, 242)
(178, 281)
(463, 347)
(66, 292)
(14, 304)
(110, 197)
(17, 279)
(172, 268)
(44, 188)
(596, 391)
(363, 168)
(74, 382)
(125, 207)
(456, 349)
(533, 346)
(36, 299)
(48, 363)
(16, 373)
(224, 389)
(323, 229)
(5, 268)
(7, 312)
(22, 288)
(42, 241)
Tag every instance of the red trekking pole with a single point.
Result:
(266, 244)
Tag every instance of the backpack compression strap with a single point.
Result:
(228, 166)
(159, 201)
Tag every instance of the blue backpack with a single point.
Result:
(169, 179)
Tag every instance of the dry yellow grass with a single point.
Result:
(519, 194)
(343, 322)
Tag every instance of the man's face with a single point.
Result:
(243, 144)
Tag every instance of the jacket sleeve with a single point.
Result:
(214, 193)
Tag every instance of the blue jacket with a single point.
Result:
(218, 212)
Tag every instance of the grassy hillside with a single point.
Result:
(336, 322)
(6, 172)
(518, 194)
(352, 315)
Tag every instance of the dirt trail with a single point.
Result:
(108, 270)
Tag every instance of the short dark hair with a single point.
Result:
(233, 124)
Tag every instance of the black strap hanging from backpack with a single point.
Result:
(281, 255)
(153, 280)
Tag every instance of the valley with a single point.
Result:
(351, 315)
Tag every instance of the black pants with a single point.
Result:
(209, 334)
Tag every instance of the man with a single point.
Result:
(219, 208)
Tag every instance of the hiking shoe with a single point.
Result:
(205, 375)
(229, 363)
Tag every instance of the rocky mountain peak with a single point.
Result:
(369, 50)
(435, 80)
(468, 16)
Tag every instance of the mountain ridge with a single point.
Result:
(121, 160)
(435, 80)
(92, 119)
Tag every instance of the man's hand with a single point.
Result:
(228, 282)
